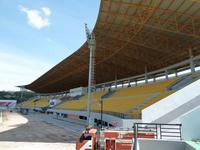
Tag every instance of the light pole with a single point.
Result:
(92, 47)
(101, 100)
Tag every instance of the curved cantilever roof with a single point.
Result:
(130, 34)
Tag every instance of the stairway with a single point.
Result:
(108, 94)
(184, 81)
(173, 106)
(145, 101)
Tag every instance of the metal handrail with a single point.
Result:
(160, 130)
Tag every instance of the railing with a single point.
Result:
(116, 114)
(123, 115)
(156, 131)
(176, 68)
(160, 131)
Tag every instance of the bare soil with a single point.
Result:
(18, 132)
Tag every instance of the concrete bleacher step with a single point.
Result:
(68, 99)
(182, 82)
(177, 104)
(145, 101)
(108, 94)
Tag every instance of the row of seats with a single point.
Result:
(37, 102)
(130, 100)
(126, 100)
(81, 104)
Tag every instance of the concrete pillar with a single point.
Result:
(135, 82)
(115, 84)
(104, 87)
(129, 83)
(176, 73)
(154, 79)
(166, 74)
(146, 75)
(192, 67)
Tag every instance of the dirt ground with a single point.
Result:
(19, 132)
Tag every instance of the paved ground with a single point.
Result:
(37, 132)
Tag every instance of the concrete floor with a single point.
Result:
(37, 132)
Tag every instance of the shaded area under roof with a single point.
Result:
(130, 34)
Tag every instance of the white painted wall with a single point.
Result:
(77, 91)
(149, 144)
(191, 124)
(124, 123)
(173, 106)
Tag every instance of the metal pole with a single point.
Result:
(92, 47)
(89, 87)
(135, 136)
(101, 113)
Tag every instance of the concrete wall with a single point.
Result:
(125, 123)
(191, 124)
(145, 144)
(173, 106)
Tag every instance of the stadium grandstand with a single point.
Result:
(147, 70)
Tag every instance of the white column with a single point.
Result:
(129, 83)
(146, 75)
(176, 73)
(154, 78)
(191, 61)
(166, 74)
(135, 82)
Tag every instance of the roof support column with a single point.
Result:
(166, 74)
(154, 78)
(104, 87)
(192, 67)
(135, 82)
(115, 83)
(129, 83)
(146, 75)
(176, 73)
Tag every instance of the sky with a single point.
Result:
(37, 35)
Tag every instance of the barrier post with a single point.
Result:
(135, 137)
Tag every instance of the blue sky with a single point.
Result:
(36, 35)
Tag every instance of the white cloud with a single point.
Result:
(37, 18)
(18, 70)
(46, 11)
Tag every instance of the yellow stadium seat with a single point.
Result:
(128, 101)
(80, 104)
(41, 102)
